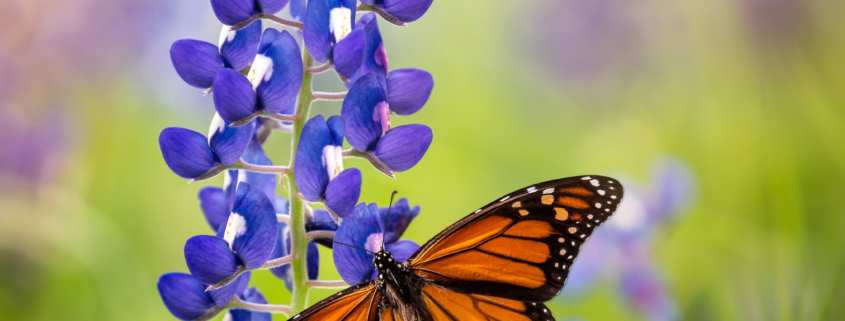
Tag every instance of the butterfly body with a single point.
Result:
(499, 263)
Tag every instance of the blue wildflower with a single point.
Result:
(318, 168)
(366, 111)
(399, 11)
(191, 155)
(247, 240)
(187, 299)
(198, 61)
(328, 34)
(231, 12)
(365, 228)
(217, 203)
(271, 86)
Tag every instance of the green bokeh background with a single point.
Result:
(759, 119)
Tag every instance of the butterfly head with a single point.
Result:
(386, 264)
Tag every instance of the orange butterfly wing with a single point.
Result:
(522, 246)
(447, 305)
(357, 303)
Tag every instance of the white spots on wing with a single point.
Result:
(560, 240)
(612, 188)
(562, 252)
(478, 210)
(594, 182)
(610, 182)
(505, 198)
(607, 210)
(613, 196)
(572, 230)
(598, 205)
(548, 191)
(590, 216)
(601, 192)
(532, 189)
(586, 178)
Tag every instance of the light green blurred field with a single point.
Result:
(761, 123)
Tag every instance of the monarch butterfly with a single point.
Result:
(499, 263)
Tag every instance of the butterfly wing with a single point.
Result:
(521, 246)
(447, 305)
(357, 303)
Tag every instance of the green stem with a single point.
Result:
(299, 239)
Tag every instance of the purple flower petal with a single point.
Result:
(223, 295)
(282, 88)
(349, 53)
(402, 147)
(408, 90)
(406, 10)
(343, 192)
(209, 259)
(643, 288)
(358, 110)
(196, 61)
(230, 12)
(186, 152)
(233, 95)
(375, 57)
(297, 9)
(401, 215)
(271, 6)
(255, 231)
(674, 188)
(267, 40)
(317, 34)
(361, 229)
(402, 250)
(227, 142)
(254, 154)
(239, 47)
(184, 296)
(308, 168)
(214, 206)
(253, 296)
(336, 127)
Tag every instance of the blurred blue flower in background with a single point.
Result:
(621, 252)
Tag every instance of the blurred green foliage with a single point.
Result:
(761, 121)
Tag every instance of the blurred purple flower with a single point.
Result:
(31, 150)
(774, 21)
(585, 39)
(621, 251)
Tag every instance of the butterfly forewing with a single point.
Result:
(522, 245)
(447, 305)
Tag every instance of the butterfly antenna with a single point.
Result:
(353, 247)
(384, 227)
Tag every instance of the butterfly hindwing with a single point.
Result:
(357, 303)
(521, 246)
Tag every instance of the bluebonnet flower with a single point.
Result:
(328, 34)
(191, 155)
(366, 111)
(399, 11)
(297, 9)
(406, 90)
(365, 228)
(217, 203)
(187, 299)
(271, 86)
(31, 150)
(231, 12)
(197, 62)
(621, 251)
(318, 168)
(246, 244)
